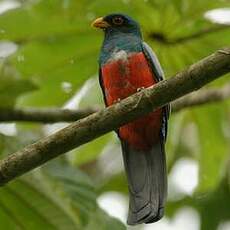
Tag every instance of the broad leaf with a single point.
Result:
(24, 207)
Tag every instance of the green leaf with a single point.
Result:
(12, 86)
(90, 151)
(31, 16)
(56, 45)
(70, 64)
(213, 145)
(216, 202)
(73, 185)
(102, 221)
(23, 207)
(117, 182)
(62, 39)
(2, 144)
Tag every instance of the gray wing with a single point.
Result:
(153, 61)
(159, 74)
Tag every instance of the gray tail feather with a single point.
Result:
(147, 178)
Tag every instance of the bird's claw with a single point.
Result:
(140, 89)
(117, 100)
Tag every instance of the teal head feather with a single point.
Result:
(121, 33)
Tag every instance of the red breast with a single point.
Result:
(122, 77)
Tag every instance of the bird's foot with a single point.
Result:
(117, 100)
(140, 89)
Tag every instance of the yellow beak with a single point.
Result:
(100, 23)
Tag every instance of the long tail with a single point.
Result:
(147, 178)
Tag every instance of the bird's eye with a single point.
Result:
(118, 20)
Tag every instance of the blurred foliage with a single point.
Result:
(56, 47)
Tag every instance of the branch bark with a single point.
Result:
(201, 97)
(97, 124)
(67, 115)
(44, 115)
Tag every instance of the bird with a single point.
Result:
(127, 65)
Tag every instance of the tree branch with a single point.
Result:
(44, 115)
(68, 115)
(202, 97)
(97, 124)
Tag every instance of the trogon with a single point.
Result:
(127, 64)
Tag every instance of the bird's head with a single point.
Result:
(117, 23)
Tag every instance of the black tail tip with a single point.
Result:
(147, 219)
(155, 218)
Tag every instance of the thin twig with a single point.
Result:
(204, 96)
(45, 115)
(201, 97)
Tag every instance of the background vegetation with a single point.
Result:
(55, 65)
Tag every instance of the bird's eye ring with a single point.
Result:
(118, 20)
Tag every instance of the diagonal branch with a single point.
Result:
(97, 124)
(53, 115)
